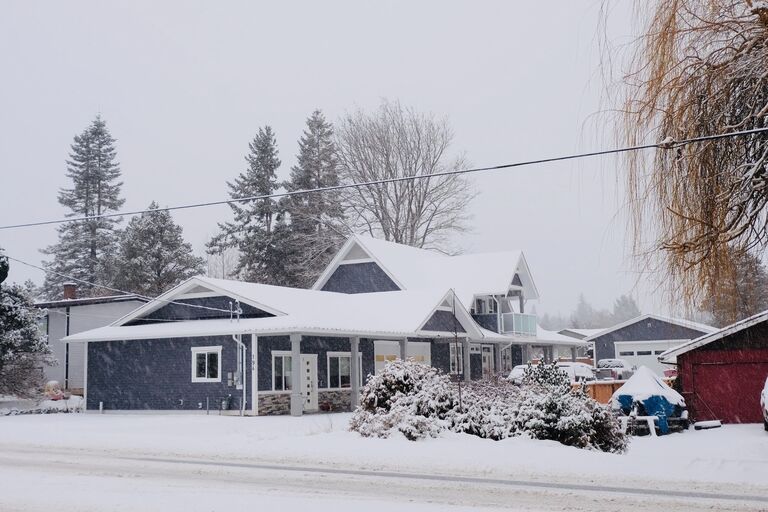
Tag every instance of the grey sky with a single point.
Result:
(184, 86)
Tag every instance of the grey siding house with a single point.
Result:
(70, 316)
(260, 349)
(640, 341)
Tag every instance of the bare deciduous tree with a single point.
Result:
(394, 142)
(700, 67)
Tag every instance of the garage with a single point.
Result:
(722, 374)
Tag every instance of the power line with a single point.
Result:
(668, 143)
(122, 292)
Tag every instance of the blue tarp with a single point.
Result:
(652, 396)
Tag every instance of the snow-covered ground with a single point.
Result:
(730, 460)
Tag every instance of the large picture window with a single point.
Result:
(340, 369)
(206, 364)
(281, 371)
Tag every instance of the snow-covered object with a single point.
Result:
(645, 384)
(652, 396)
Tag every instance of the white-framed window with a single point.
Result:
(456, 357)
(340, 369)
(281, 370)
(206, 364)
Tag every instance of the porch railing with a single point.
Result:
(519, 323)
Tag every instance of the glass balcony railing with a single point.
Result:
(519, 323)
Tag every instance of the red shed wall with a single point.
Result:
(723, 380)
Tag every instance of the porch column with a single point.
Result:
(467, 366)
(527, 350)
(573, 353)
(297, 399)
(354, 371)
(403, 347)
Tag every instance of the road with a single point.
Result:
(40, 479)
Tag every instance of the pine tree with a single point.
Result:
(317, 226)
(152, 255)
(625, 308)
(23, 346)
(251, 231)
(82, 245)
(739, 292)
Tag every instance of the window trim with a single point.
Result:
(329, 355)
(282, 353)
(205, 350)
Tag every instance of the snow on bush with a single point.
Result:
(419, 401)
(408, 397)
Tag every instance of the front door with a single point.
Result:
(309, 381)
(487, 352)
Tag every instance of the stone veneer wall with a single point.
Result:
(274, 403)
(334, 400)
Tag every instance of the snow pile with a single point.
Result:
(72, 404)
(644, 384)
(419, 401)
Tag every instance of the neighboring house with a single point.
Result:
(70, 316)
(641, 340)
(295, 350)
(722, 373)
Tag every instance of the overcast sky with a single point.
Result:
(184, 86)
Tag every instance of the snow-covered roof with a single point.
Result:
(468, 274)
(676, 321)
(297, 310)
(670, 356)
(645, 384)
(543, 335)
(581, 333)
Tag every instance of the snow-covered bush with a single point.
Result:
(406, 396)
(419, 401)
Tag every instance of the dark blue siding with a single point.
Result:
(443, 321)
(310, 345)
(646, 330)
(157, 374)
(359, 278)
(489, 321)
(179, 312)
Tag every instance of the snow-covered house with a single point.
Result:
(72, 315)
(642, 339)
(723, 372)
(295, 350)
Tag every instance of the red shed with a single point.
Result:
(723, 373)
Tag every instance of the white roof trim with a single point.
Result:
(676, 321)
(528, 274)
(667, 356)
(461, 314)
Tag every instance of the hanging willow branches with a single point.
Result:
(701, 67)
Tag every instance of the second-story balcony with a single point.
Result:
(518, 323)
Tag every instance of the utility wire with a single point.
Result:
(668, 143)
(122, 292)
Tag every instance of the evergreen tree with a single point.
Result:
(152, 255)
(23, 347)
(82, 245)
(740, 291)
(251, 231)
(317, 226)
(625, 308)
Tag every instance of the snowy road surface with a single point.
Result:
(140, 462)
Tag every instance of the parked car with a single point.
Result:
(764, 403)
(620, 368)
(578, 372)
(517, 373)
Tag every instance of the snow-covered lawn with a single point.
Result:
(734, 454)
